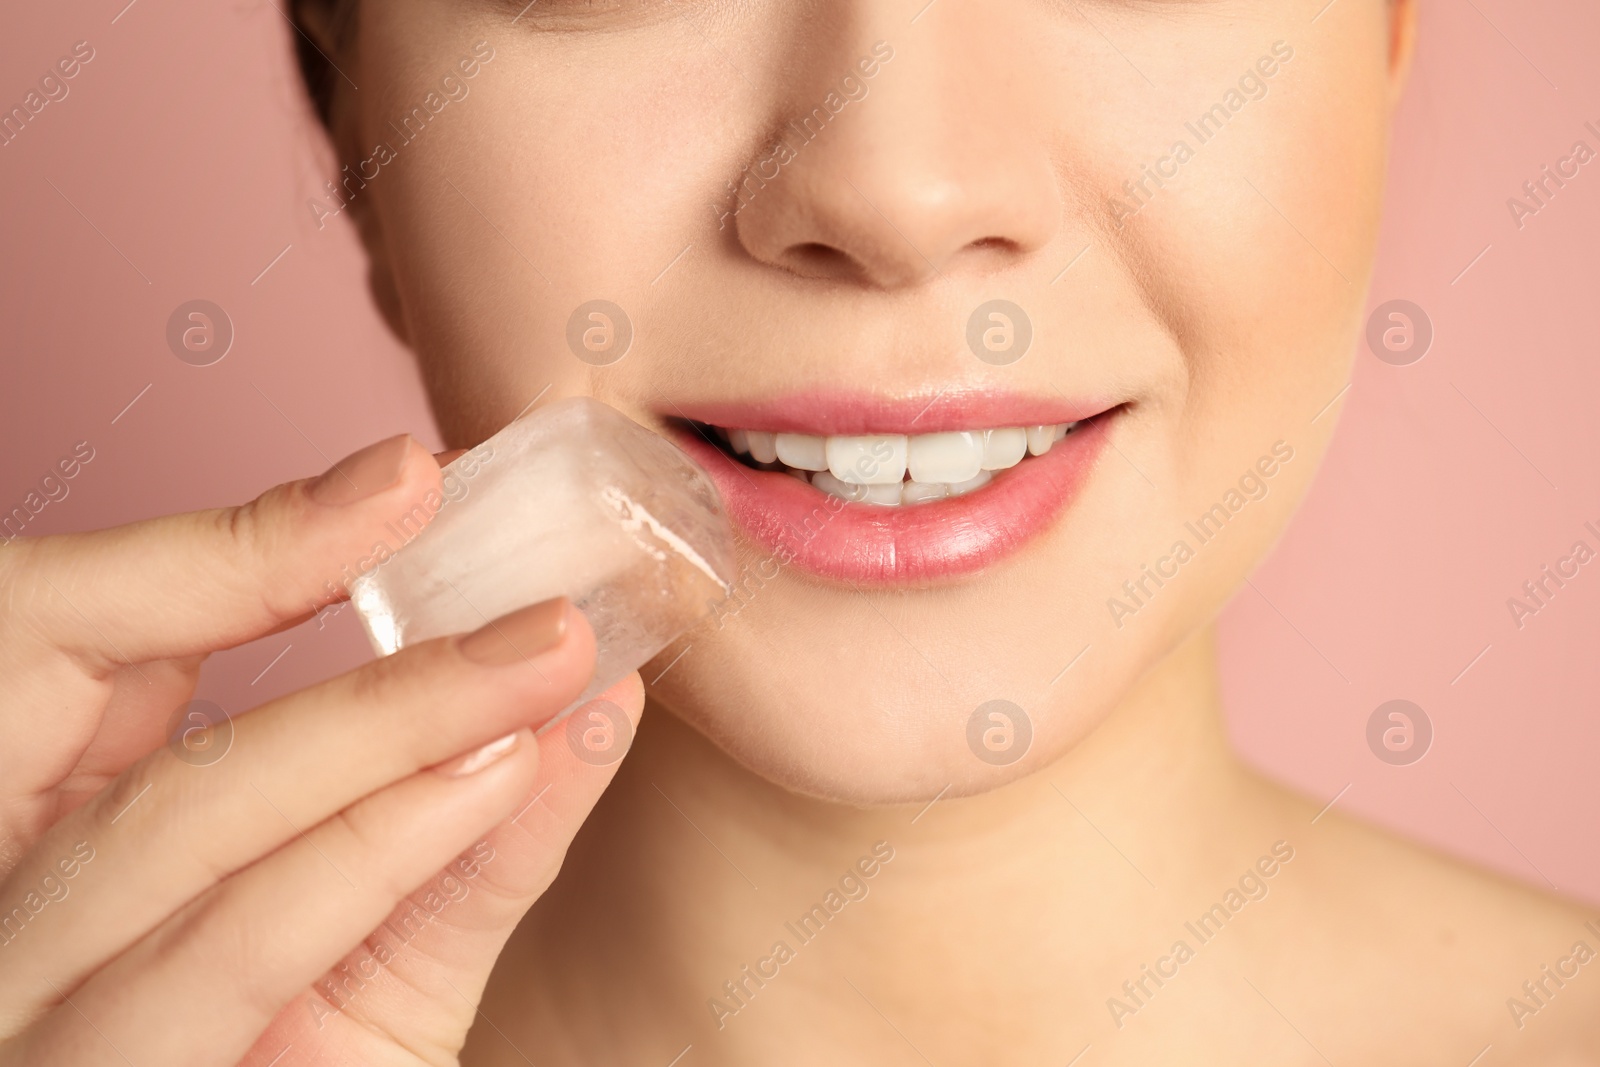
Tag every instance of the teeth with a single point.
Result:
(922, 492)
(801, 450)
(983, 479)
(1004, 448)
(871, 460)
(886, 495)
(762, 449)
(834, 487)
(945, 457)
(873, 468)
(892, 495)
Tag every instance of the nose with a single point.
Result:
(904, 163)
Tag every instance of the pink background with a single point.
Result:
(1453, 480)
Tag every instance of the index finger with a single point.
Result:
(183, 585)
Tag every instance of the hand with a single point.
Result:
(335, 889)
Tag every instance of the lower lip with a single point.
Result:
(872, 544)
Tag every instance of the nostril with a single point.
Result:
(994, 242)
(816, 260)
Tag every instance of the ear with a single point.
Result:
(1402, 44)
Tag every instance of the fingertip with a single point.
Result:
(628, 695)
(363, 474)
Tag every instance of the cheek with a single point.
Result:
(1256, 258)
(1266, 252)
(557, 182)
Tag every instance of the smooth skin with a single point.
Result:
(591, 155)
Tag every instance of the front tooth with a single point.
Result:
(867, 460)
(1040, 438)
(983, 479)
(761, 447)
(834, 487)
(886, 495)
(920, 492)
(739, 441)
(1004, 448)
(1061, 431)
(801, 450)
(945, 457)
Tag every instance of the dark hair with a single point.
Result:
(316, 69)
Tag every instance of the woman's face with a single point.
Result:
(802, 212)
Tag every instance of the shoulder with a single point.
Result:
(1419, 942)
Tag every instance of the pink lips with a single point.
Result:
(866, 543)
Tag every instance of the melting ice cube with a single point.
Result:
(573, 500)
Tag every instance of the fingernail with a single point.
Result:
(362, 474)
(516, 637)
(475, 761)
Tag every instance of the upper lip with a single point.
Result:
(827, 413)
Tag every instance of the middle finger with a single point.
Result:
(167, 830)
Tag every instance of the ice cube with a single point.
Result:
(576, 500)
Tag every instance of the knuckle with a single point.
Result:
(368, 843)
(261, 539)
(239, 944)
(123, 796)
(400, 678)
(11, 552)
(28, 604)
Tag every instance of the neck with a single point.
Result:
(693, 871)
